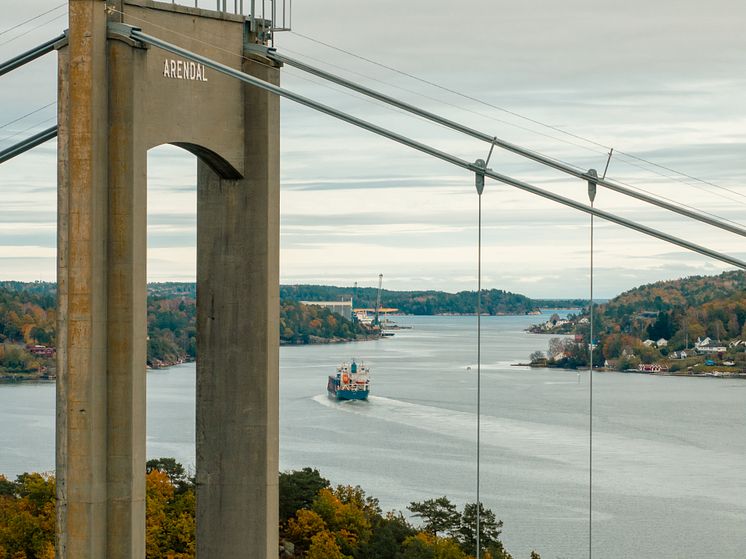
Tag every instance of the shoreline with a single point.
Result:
(688, 374)
(158, 364)
(315, 340)
(17, 378)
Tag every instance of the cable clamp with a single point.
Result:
(264, 50)
(480, 165)
(592, 184)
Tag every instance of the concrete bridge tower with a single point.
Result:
(117, 99)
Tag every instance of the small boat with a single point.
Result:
(352, 382)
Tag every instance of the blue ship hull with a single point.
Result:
(351, 394)
(335, 390)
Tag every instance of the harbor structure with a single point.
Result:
(343, 308)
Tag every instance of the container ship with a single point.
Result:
(352, 382)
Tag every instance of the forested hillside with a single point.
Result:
(494, 301)
(661, 323)
(28, 318)
(696, 306)
(27, 312)
(690, 291)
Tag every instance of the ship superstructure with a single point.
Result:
(351, 382)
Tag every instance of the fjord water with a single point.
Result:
(669, 459)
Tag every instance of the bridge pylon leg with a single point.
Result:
(101, 294)
(238, 326)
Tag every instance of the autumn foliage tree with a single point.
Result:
(300, 323)
(330, 523)
(27, 517)
(170, 518)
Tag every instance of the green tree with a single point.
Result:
(7, 488)
(537, 356)
(388, 534)
(175, 472)
(439, 516)
(663, 327)
(418, 547)
(489, 529)
(298, 489)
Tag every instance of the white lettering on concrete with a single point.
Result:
(184, 70)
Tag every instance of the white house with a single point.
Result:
(710, 348)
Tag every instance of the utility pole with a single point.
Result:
(378, 298)
(353, 315)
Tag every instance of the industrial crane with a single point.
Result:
(378, 298)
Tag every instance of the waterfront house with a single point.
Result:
(702, 342)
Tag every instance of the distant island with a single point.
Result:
(494, 301)
(690, 326)
(430, 302)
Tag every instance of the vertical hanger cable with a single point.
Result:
(592, 197)
(479, 179)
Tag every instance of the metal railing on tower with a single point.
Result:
(279, 12)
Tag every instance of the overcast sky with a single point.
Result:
(663, 81)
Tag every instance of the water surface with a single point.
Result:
(669, 453)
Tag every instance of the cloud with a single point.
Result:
(355, 205)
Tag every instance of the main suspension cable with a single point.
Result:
(454, 92)
(545, 159)
(495, 141)
(554, 162)
(482, 115)
(597, 145)
(419, 146)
